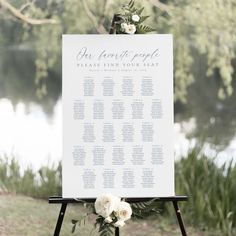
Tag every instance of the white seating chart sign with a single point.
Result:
(118, 115)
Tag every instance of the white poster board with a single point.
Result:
(118, 115)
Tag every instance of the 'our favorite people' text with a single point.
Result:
(125, 55)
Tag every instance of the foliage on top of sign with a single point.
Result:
(131, 20)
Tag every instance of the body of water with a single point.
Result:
(29, 135)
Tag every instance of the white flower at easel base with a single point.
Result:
(135, 18)
(124, 211)
(105, 205)
(113, 210)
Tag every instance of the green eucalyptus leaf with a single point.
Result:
(143, 18)
(131, 4)
(139, 12)
(143, 29)
(107, 231)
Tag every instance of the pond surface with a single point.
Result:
(35, 138)
(29, 135)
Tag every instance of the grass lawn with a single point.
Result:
(25, 216)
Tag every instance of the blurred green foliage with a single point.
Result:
(211, 191)
(41, 184)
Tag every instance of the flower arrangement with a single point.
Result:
(131, 20)
(112, 212)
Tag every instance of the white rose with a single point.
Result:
(106, 204)
(135, 18)
(124, 211)
(130, 29)
(119, 223)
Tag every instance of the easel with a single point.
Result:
(65, 201)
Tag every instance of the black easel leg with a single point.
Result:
(117, 231)
(60, 219)
(179, 217)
